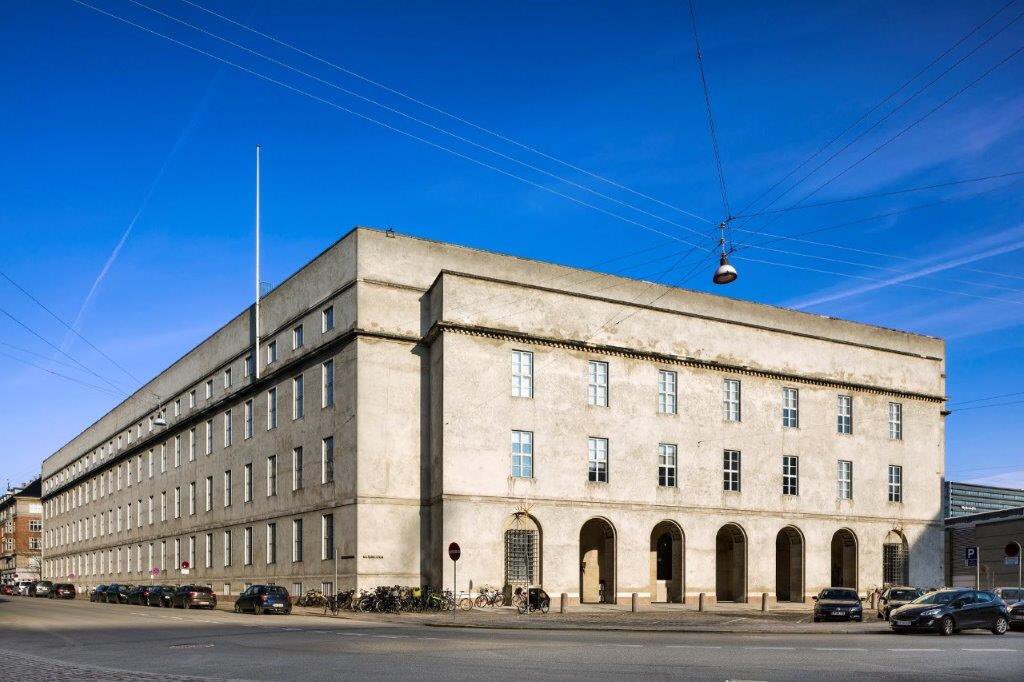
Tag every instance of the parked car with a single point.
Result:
(952, 610)
(139, 595)
(42, 588)
(264, 599)
(98, 593)
(23, 587)
(31, 591)
(7, 588)
(1016, 615)
(117, 594)
(62, 591)
(160, 595)
(1010, 595)
(895, 597)
(838, 603)
(193, 596)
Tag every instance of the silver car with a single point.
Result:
(43, 588)
(895, 597)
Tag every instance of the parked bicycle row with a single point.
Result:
(402, 598)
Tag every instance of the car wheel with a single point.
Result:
(946, 626)
(1000, 627)
(237, 610)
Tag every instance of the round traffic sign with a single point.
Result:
(184, 564)
(1012, 549)
(454, 551)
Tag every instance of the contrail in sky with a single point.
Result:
(182, 137)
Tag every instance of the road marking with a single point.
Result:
(391, 636)
(352, 634)
(293, 630)
(915, 649)
(838, 648)
(1013, 651)
(628, 645)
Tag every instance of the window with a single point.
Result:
(192, 398)
(177, 503)
(790, 475)
(209, 388)
(163, 458)
(247, 413)
(163, 506)
(209, 493)
(844, 480)
(192, 498)
(247, 548)
(597, 460)
(227, 488)
(271, 352)
(667, 396)
(272, 409)
(731, 471)
(227, 548)
(327, 537)
(247, 481)
(228, 432)
(297, 337)
(297, 468)
(845, 414)
(208, 546)
(327, 370)
(597, 383)
(296, 540)
(790, 408)
(327, 318)
(327, 460)
(209, 436)
(227, 378)
(149, 511)
(247, 366)
(667, 465)
(177, 407)
(522, 374)
(177, 553)
(522, 454)
(895, 483)
(271, 543)
(731, 400)
(192, 444)
(177, 451)
(896, 421)
(192, 551)
(271, 475)
(298, 397)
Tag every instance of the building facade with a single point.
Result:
(967, 499)
(21, 533)
(597, 435)
(999, 539)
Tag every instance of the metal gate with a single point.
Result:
(895, 564)
(521, 557)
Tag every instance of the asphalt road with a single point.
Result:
(44, 639)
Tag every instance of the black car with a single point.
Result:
(117, 594)
(264, 599)
(838, 603)
(952, 610)
(139, 595)
(62, 591)
(1016, 616)
(98, 593)
(160, 595)
(42, 588)
(895, 597)
(193, 597)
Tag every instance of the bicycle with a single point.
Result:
(489, 597)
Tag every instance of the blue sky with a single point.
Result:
(107, 126)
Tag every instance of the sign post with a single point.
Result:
(454, 552)
(184, 567)
(971, 556)
(1012, 558)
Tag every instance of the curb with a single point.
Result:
(687, 629)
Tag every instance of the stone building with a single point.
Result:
(598, 435)
(21, 533)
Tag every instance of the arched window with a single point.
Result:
(522, 551)
(895, 559)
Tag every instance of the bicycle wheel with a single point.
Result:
(481, 601)
(465, 603)
(522, 606)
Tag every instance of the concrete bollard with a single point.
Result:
(764, 601)
(700, 601)
(563, 598)
(872, 596)
(635, 603)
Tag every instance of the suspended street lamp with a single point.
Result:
(725, 273)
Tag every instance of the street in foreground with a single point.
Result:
(43, 639)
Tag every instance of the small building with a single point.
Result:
(21, 533)
(967, 499)
(994, 534)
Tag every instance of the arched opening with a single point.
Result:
(844, 559)
(522, 551)
(667, 567)
(789, 565)
(731, 564)
(597, 562)
(895, 559)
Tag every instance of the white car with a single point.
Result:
(22, 587)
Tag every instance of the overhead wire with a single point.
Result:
(711, 116)
(101, 389)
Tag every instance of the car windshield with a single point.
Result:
(904, 594)
(938, 598)
(839, 594)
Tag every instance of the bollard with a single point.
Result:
(872, 600)
(700, 601)
(764, 601)
(562, 600)
(635, 604)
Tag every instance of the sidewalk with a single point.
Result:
(727, 618)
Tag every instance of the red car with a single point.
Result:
(7, 589)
